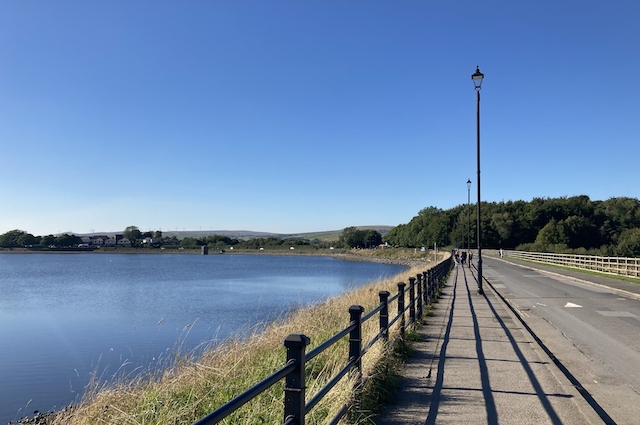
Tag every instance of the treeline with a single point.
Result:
(352, 237)
(562, 225)
(223, 242)
(19, 238)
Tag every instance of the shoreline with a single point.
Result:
(345, 256)
(43, 418)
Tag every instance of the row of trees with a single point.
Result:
(568, 224)
(352, 237)
(19, 238)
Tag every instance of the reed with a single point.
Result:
(193, 385)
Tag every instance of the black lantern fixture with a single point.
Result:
(477, 78)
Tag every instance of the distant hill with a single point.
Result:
(327, 235)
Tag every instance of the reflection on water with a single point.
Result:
(64, 317)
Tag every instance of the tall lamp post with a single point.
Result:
(477, 82)
(468, 221)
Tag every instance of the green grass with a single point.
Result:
(196, 385)
(399, 254)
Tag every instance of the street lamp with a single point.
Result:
(477, 82)
(468, 222)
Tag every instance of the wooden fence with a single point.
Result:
(613, 265)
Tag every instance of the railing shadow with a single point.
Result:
(490, 405)
(539, 391)
(436, 395)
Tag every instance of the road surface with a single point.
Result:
(594, 331)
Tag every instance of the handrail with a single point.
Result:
(236, 403)
(427, 284)
(332, 383)
(328, 343)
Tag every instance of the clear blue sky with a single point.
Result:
(296, 116)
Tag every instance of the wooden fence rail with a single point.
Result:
(623, 266)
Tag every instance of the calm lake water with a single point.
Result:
(65, 316)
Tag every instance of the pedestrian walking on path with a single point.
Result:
(476, 365)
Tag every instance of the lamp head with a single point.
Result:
(477, 78)
(469, 184)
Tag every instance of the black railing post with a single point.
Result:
(419, 295)
(425, 288)
(436, 282)
(294, 388)
(384, 315)
(428, 284)
(401, 286)
(412, 299)
(355, 336)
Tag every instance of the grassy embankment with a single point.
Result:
(195, 386)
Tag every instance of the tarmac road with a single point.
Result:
(592, 329)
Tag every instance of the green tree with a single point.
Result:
(190, 243)
(27, 239)
(66, 239)
(503, 223)
(629, 243)
(48, 240)
(372, 238)
(581, 233)
(352, 237)
(132, 233)
(13, 238)
(552, 234)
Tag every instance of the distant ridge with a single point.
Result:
(251, 234)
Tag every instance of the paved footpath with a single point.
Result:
(477, 365)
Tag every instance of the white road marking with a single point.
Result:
(572, 305)
(543, 305)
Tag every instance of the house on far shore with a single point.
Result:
(98, 240)
(124, 242)
(103, 240)
(149, 241)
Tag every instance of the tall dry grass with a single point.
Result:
(195, 385)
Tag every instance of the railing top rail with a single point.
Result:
(234, 404)
(328, 343)
(395, 297)
(372, 313)
(332, 383)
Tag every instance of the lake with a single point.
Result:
(66, 316)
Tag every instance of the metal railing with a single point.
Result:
(623, 266)
(422, 291)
